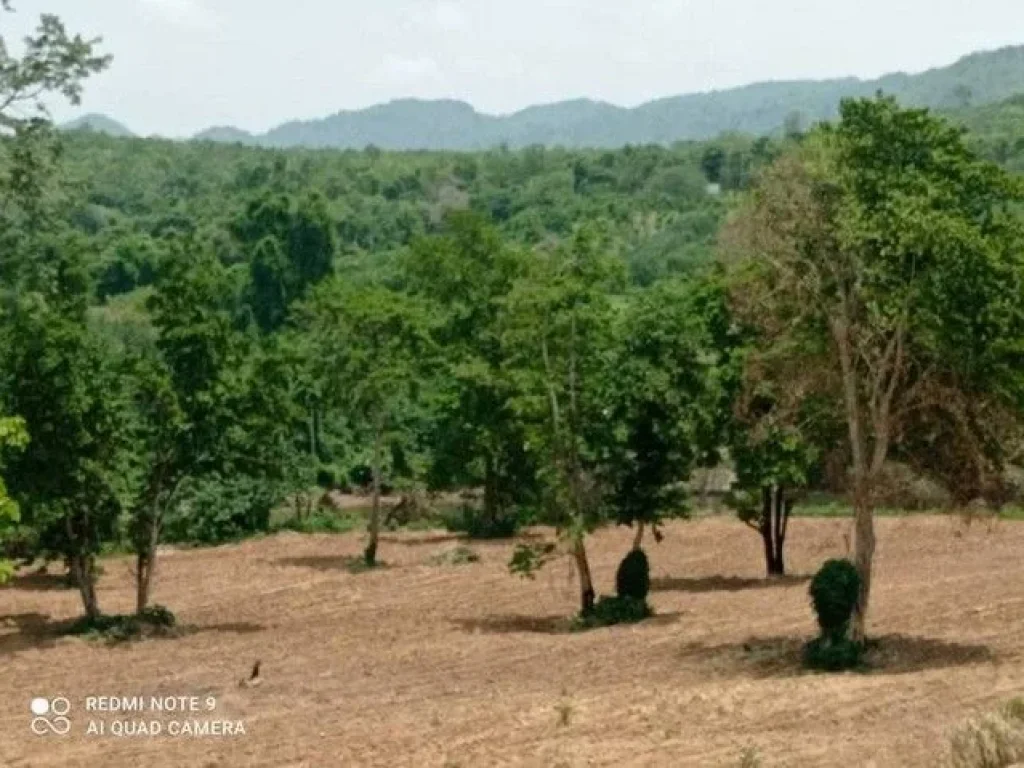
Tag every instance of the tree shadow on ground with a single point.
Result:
(349, 563)
(422, 539)
(547, 625)
(37, 631)
(27, 631)
(763, 657)
(39, 582)
(723, 583)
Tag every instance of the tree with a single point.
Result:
(53, 62)
(187, 393)
(291, 247)
(71, 479)
(12, 437)
(882, 265)
(476, 439)
(375, 355)
(667, 400)
(558, 332)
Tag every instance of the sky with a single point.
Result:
(184, 65)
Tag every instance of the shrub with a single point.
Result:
(832, 653)
(834, 591)
(610, 610)
(154, 620)
(217, 510)
(633, 578)
(995, 740)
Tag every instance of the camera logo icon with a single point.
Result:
(50, 716)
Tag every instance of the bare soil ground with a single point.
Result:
(423, 665)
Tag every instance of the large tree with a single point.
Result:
(374, 356)
(882, 264)
(558, 335)
(71, 481)
(12, 437)
(476, 439)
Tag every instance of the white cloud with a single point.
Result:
(186, 13)
(450, 17)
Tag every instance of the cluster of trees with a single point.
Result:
(190, 335)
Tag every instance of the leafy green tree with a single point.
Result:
(71, 479)
(188, 392)
(883, 263)
(667, 399)
(375, 355)
(558, 335)
(477, 439)
(12, 437)
(291, 247)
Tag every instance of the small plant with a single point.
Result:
(834, 591)
(460, 555)
(633, 578)
(527, 559)
(995, 740)
(564, 710)
(750, 757)
(610, 610)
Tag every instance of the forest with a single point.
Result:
(198, 338)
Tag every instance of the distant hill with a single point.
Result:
(762, 108)
(97, 124)
(226, 134)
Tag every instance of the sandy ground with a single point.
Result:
(423, 665)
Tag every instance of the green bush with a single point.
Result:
(834, 591)
(832, 653)
(610, 610)
(217, 510)
(154, 620)
(633, 578)
(478, 525)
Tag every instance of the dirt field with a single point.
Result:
(424, 665)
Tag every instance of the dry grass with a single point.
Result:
(994, 740)
(419, 665)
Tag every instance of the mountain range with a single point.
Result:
(762, 108)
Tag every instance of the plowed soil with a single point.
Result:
(419, 664)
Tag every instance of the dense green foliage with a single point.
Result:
(193, 336)
(834, 590)
(633, 578)
(834, 594)
(610, 610)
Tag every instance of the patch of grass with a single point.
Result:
(155, 621)
(750, 757)
(994, 740)
(321, 521)
(460, 555)
(613, 609)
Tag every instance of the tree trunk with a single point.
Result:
(83, 570)
(639, 537)
(775, 509)
(145, 562)
(490, 490)
(864, 552)
(586, 583)
(370, 554)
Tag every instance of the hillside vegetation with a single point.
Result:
(758, 109)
